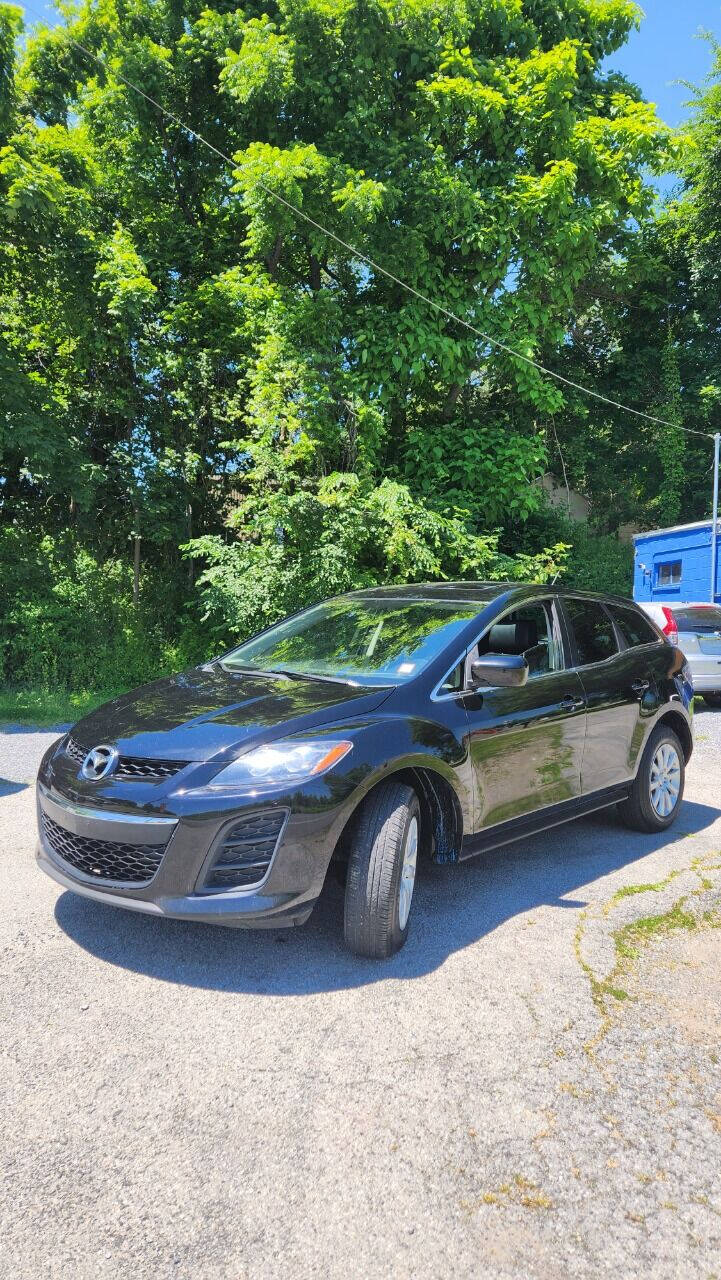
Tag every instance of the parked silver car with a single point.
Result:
(696, 629)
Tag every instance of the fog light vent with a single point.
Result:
(245, 853)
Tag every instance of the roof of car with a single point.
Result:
(476, 592)
(462, 592)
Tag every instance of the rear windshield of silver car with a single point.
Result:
(702, 619)
(371, 641)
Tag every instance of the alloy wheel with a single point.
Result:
(408, 872)
(665, 781)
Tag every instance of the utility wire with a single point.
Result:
(356, 253)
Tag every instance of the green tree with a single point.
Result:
(646, 333)
(181, 343)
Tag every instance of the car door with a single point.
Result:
(618, 681)
(526, 744)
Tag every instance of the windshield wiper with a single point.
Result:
(285, 673)
(312, 675)
(253, 671)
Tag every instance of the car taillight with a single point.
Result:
(669, 628)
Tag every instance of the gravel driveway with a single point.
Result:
(531, 1088)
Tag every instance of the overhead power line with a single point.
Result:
(363, 257)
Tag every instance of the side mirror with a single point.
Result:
(501, 669)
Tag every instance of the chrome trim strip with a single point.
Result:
(79, 819)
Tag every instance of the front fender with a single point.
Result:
(429, 755)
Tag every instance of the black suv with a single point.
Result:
(381, 726)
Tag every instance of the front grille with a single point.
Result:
(131, 768)
(104, 859)
(75, 750)
(149, 770)
(246, 851)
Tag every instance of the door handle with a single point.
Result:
(640, 686)
(572, 704)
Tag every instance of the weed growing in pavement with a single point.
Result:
(631, 938)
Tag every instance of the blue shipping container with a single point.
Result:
(675, 564)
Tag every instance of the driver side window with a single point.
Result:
(531, 631)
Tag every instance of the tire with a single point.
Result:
(376, 907)
(662, 758)
(712, 699)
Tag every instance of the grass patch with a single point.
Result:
(45, 707)
(629, 942)
(629, 890)
(631, 937)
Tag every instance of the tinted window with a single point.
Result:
(543, 651)
(593, 629)
(634, 628)
(703, 619)
(370, 639)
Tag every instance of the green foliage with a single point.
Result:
(593, 561)
(646, 333)
(67, 620)
(185, 361)
(599, 562)
(44, 707)
(340, 536)
(462, 467)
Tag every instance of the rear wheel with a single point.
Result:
(657, 791)
(712, 699)
(382, 871)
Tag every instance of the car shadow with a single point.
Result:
(10, 788)
(453, 907)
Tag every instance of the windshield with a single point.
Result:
(703, 619)
(375, 641)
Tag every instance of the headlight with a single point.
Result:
(281, 761)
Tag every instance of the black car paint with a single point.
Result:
(490, 764)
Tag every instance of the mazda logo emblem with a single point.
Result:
(98, 763)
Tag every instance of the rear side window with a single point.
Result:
(634, 628)
(703, 619)
(593, 629)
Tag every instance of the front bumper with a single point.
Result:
(285, 897)
(237, 908)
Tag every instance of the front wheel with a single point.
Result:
(382, 871)
(657, 791)
(712, 699)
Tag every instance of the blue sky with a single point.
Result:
(666, 49)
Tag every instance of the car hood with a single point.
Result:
(209, 710)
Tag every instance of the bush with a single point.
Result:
(68, 622)
(295, 549)
(598, 562)
(67, 619)
(594, 562)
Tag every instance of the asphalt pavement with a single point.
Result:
(531, 1088)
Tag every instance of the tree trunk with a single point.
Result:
(191, 562)
(274, 258)
(451, 400)
(136, 560)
